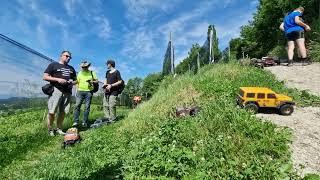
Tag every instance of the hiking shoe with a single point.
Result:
(60, 132)
(305, 63)
(75, 124)
(51, 132)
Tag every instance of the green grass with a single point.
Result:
(222, 142)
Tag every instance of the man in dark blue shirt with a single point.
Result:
(294, 29)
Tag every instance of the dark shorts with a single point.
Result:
(294, 35)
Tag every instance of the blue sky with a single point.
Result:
(133, 32)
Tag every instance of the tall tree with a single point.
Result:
(168, 62)
(151, 84)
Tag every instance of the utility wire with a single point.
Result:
(25, 47)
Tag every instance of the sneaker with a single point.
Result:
(305, 63)
(51, 132)
(60, 132)
(75, 124)
(290, 62)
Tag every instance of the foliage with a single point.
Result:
(151, 84)
(133, 87)
(314, 45)
(190, 64)
(278, 51)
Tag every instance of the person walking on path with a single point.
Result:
(294, 29)
(62, 76)
(111, 84)
(85, 81)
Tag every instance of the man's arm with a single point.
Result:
(95, 78)
(300, 23)
(119, 80)
(49, 78)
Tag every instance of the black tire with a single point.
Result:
(286, 109)
(252, 107)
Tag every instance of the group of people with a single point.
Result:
(294, 29)
(63, 77)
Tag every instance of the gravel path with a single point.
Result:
(300, 77)
(305, 122)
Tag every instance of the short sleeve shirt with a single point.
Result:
(289, 22)
(83, 78)
(113, 78)
(63, 71)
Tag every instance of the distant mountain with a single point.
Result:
(4, 96)
(12, 99)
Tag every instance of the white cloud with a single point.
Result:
(69, 6)
(139, 44)
(41, 36)
(231, 28)
(138, 10)
(90, 17)
(103, 27)
(188, 27)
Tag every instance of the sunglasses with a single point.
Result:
(67, 56)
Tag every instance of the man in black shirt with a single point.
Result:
(62, 76)
(111, 84)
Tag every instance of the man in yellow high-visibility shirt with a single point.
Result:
(85, 80)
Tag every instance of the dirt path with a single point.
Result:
(300, 77)
(305, 122)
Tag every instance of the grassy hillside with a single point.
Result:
(221, 142)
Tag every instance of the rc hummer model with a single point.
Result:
(253, 98)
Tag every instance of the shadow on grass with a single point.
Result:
(119, 118)
(107, 172)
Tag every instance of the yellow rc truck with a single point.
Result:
(253, 98)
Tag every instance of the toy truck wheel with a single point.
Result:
(251, 107)
(286, 109)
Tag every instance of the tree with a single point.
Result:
(167, 62)
(133, 87)
(151, 84)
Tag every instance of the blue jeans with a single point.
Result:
(80, 97)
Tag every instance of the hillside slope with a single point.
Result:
(221, 142)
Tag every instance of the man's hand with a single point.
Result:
(72, 81)
(108, 87)
(281, 27)
(61, 81)
(307, 28)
